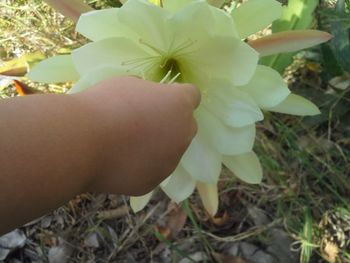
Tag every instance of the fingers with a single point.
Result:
(191, 93)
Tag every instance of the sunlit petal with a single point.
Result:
(296, 105)
(226, 140)
(102, 24)
(95, 76)
(267, 87)
(116, 52)
(289, 41)
(54, 70)
(255, 15)
(222, 57)
(209, 196)
(245, 166)
(149, 22)
(180, 185)
(138, 203)
(202, 161)
(235, 107)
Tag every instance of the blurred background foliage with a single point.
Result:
(301, 211)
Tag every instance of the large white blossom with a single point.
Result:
(189, 41)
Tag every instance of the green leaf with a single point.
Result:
(18, 67)
(298, 15)
(337, 52)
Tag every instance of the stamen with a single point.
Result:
(157, 50)
(136, 60)
(166, 77)
(144, 63)
(174, 78)
(183, 46)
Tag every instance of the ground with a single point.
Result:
(300, 213)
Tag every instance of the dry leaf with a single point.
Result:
(174, 224)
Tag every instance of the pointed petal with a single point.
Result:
(289, 41)
(175, 5)
(245, 166)
(151, 25)
(267, 87)
(296, 105)
(223, 24)
(255, 15)
(70, 8)
(112, 52)
(209, 196)
(95, 76)
(138, 203)
(233, 106)
(102, 24)
(180, 185)
(226, 140)
(225, 57)
(215, 21)
(54, 70)
(202, 161)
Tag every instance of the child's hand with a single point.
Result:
(142, 129)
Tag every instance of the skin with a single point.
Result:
(124, 136)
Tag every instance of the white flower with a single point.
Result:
(189, 41)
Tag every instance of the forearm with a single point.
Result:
(47, 155)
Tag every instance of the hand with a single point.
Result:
(143, 129)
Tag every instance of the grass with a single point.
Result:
(306, 165)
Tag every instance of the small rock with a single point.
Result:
(92, 241)
(251, 253)
(58, 254)
(46, 221)
(195, 257)
(4, 253)
(258, 215)
(13, 239)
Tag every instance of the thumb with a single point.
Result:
(192, 93)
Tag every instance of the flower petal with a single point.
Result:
(102, 24)
(138, 203)
(175, 5)
(54, 70)
(180, 185)
(148, 21)
(209, 196)
(226, 140)
(95, 76)
(266, 87)
(245, 166)
(202, 161)
(216, 23)
(233, 106)
(225, 57)
(289, 41)
(112, 52)
(296, 105)
(255, 15)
